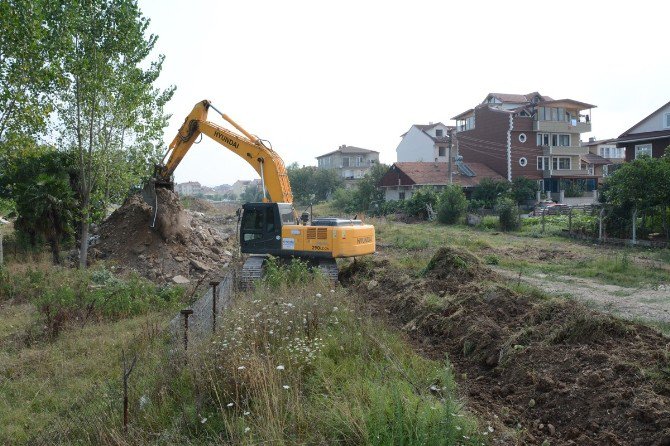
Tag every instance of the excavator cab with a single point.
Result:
(261, 227)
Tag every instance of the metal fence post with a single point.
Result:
(570, 222)
(544, 211)
(186, 313)
(215, 295)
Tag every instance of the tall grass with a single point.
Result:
(301, 364)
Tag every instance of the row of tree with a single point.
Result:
(81, 120)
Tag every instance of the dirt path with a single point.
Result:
(650, 304)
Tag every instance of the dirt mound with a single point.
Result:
(181, 244)
(199, 204)
(547, 368)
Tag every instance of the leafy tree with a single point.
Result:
(508, 213)
(345, 200)
(452, 205)
(416, 206)
(639, 186)
(40, 184)
(523, 189)
(110, 115)
(309, 180)
(369, 194)
(489, 191)
(252, 194)
(30, 40)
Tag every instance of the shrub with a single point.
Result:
(508, 213)
(416, 206)
(453, 205)
(489, 222)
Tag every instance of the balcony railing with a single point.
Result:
(551, 173)
(564, 150)
(572, 126)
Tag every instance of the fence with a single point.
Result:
(115, 401)
(598, 230)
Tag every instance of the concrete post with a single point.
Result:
(548, 195)
(537, 196)
(561, 196)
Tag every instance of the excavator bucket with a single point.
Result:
(149, 196)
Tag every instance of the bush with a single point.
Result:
(508, 213)
(416, 206)
(453, 205)
(489, 222)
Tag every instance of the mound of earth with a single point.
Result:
(549, 369)
(200, 205)
(180, 248)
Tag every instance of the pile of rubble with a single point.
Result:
(180, 248)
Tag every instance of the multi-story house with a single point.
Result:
(603, 157)
(650, 137)
(427, 143)
(528, 135)
(189, 188)
(350, 162)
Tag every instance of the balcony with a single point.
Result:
(565, 173)
(564, 150)
(562, 126)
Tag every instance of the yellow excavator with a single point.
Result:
(272, 227)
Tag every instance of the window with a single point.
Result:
(524, 113)
(564, 140)
(442, 151)
(522, 137)
(560, 163)
(401, 195)
(523, 161)
(438, 133)
(358, 161)
(554, 140)
(542, 163)
(345, 161)
(666, 121)
(543, 139)
(642, 150)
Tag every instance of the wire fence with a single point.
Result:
(107, 409)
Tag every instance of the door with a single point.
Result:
(260, 230)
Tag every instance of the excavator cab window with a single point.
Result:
(260, 230)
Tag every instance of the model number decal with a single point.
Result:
(361, 240)
(319, 248)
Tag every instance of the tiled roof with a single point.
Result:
(594, 159)
(627, 132)
(518, 98)
(425, 127)
(422, 173)
(348, 149)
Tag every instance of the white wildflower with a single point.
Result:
(246, 413)
(318, 294)
(280, 367)
(203, 421)
(247, 429)
(231, 404)
(241, 367)
(285, 387)
(332, 291)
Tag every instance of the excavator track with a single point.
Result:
(328, 268)
(252, 270)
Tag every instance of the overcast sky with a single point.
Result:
(311, 75)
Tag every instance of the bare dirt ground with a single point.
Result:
(184, 246)
(543, 370)
(645, 303)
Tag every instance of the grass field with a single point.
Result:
(413, 244)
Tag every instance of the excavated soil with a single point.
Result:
(180, 244)
(547, 370)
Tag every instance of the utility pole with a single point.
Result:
(451, 178)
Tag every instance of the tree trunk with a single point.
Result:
(55, 251)
(83, 247)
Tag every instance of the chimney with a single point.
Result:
(592, 138)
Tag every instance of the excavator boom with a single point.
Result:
(263, 159)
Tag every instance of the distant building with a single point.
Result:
(403, 179)
(603, 157)
(189, 188)
(350, 162)
(240, 186)
(650, 137)
(528, 135)
(428, 143)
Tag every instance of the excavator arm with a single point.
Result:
(263, 159)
